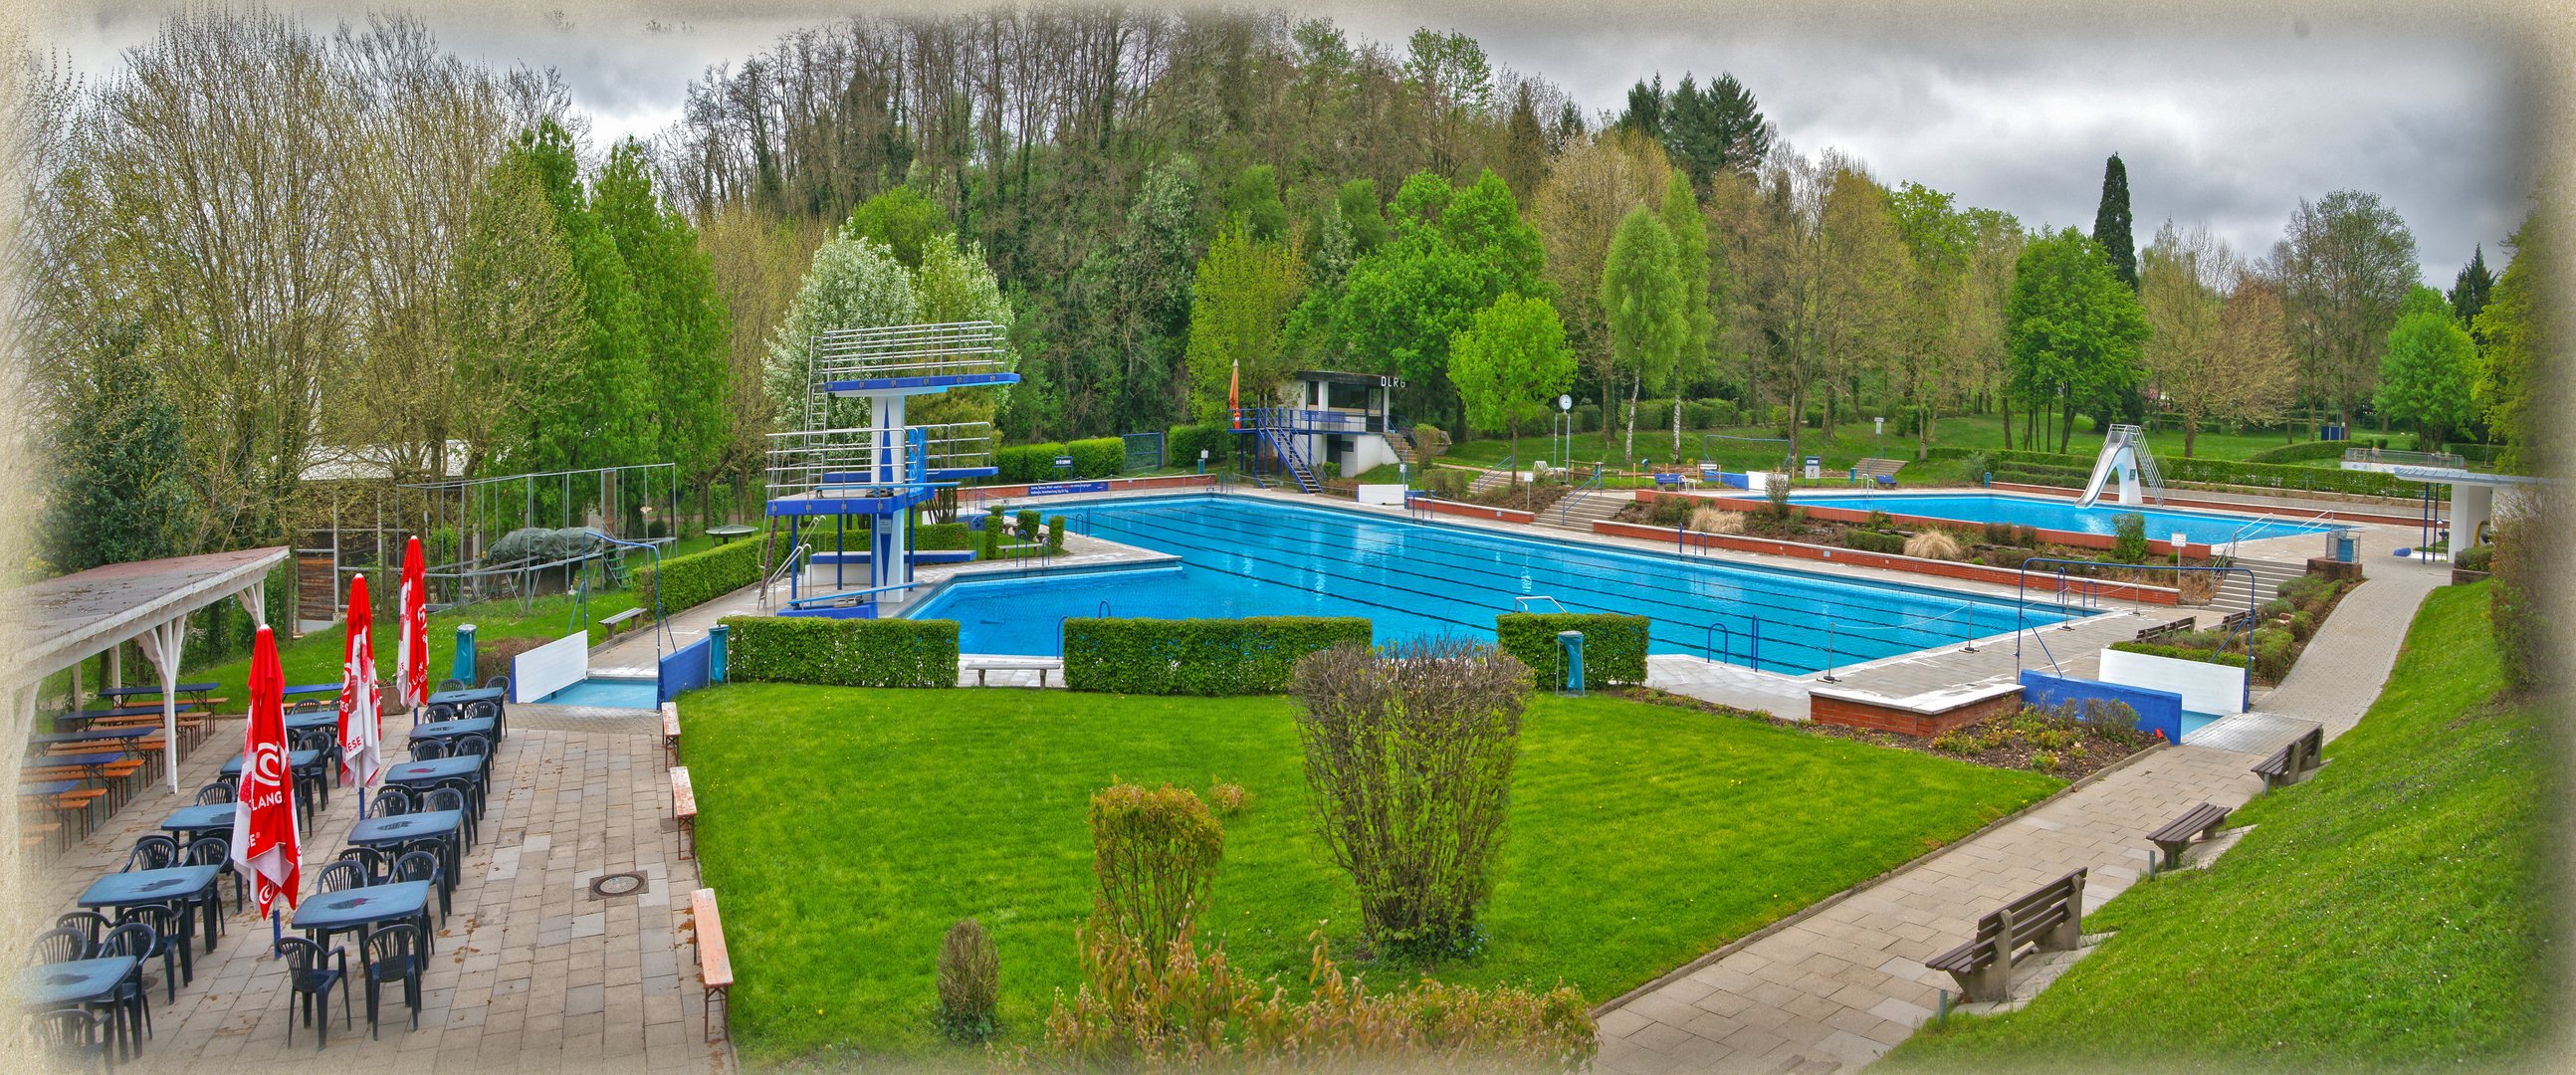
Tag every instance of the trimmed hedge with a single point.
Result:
(1026, 463)
(1099, 457)
(2304, 450)
(689, 581)
(841, 653)
(1614, 647)
(1875, 541)
(2182, 653)
(944, 536)
(1200, 657)
(1182, 444)
(2208, 471)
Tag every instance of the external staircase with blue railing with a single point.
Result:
(1281, 428)
(856, 457)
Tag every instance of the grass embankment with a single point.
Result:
(1853, 441)
(845, 830)
(2390, 912)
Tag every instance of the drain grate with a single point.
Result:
(614, 885)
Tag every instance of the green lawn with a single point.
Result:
(1852, 441)
(846, 829)
(2388, 913)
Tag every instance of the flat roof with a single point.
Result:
(59, 622)
(1371, 380)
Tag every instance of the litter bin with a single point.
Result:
(2347, 546)
(1572, 643)
(716, 637)
(465, 652)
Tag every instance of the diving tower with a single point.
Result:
(842, 463)
(2125, 454)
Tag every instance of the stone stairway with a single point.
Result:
(2268, 577)
(1402, 444)
(1489, 481)
(1579, 515)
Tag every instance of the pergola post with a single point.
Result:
(162, 645)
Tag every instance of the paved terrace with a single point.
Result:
(531, 973)
(1837, 989)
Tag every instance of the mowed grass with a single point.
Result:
(2389, 913)
(844, 830)
(1853, 441)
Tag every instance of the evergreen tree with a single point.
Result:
(2519, 350)
(2470, 289)
(2111, 223)
(1645, 112)
(1524, 149)
(684, 321)
(120, 489)
(603, 420)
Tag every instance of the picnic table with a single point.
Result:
(99, 735)
(93, 764)
(79, 981)
(199, 689)
(724, 535)
(445, 826)
(48, 789)
(175, 884)
(450, 729)
(332, 689)
(469, 694)
(83, 717)
(423, 774)
(360, 909)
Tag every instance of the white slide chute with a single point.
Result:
(2124, 453)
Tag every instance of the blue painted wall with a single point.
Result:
(687, 668)
(2158, 711)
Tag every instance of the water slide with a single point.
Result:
(2119, 456)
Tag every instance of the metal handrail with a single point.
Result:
(1521, 602)
(1588, 488)
(784, 566)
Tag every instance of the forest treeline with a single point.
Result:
(260, 246)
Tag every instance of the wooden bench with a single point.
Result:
(684, 809)
(2049, 920)
(2163, 631)
(2180, 833)
(1031, 666)
(2238, 621)
(618, 620)
(2297, 760)
(671, 731)
(715, 965)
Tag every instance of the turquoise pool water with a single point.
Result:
(609, 694)
(1244, 557)
(2205, 527)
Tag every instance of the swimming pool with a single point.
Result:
(2205, 527)
(609, 693)
(1261, 558)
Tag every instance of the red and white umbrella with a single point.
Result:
(414, 650)
(362, 701)
(266, 846)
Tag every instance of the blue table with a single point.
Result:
(450, 729)
(325, 913)
(325, 719)
(423, 774)
(332, 689)
(79, 981)
(48, 789)
(445, 826)
(469, 694)
(102, 735)
(154, 690)
(195, 821)
(182, 885)
(93, 765)
(295, 759)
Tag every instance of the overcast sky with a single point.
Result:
(2224, 123)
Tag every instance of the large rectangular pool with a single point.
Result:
(1243, 557)
(2205, 527)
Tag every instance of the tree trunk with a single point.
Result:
(1628, 451)
(2190, 433)
(1677, 424)
(2006, 402)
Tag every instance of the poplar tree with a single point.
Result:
(1641, 295)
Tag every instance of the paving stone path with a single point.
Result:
(1839, 988)
(531, 972)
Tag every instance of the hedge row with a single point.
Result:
(841, 653)
(1200, 657)
(1875, 541)
(1182, 445)
(2226, 472)
(2182, 653)
(1614, 647)
(1101, 457)
(2304, 450)
(689, 581)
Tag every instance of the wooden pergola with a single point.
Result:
(60, 623)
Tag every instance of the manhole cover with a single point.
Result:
(611, 886)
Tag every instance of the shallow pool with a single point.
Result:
(2204, 527)
(1244, 557)
(608, 693)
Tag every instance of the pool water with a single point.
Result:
(609, 694)
(1416, 580)
(2205, 527)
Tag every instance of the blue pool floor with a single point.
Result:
(609, 694)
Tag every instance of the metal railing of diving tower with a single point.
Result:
(856, 454)
(1280, 428)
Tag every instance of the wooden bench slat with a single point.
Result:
(2048, 917)
(684, 810)
(715, 963)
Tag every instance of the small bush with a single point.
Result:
(2478, 558)
(2303, 625)
(1880, 520)
(992, 544)
(1875, 541)
(1153, 858)
(1055, 533)
(2129, 537)
(1671, 510)
(1961, 742)
(2184, 653)
(1227, 799)
(495, 657)
(2044, 761)
(1717, 521)
(1934, 544)
(970, 982)
(1775, 491)
(689, 581)
(1409, 763)
(1997, 533)
(2272, 654)
(1026, 525)
(1430, 442)
(1976, 465)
